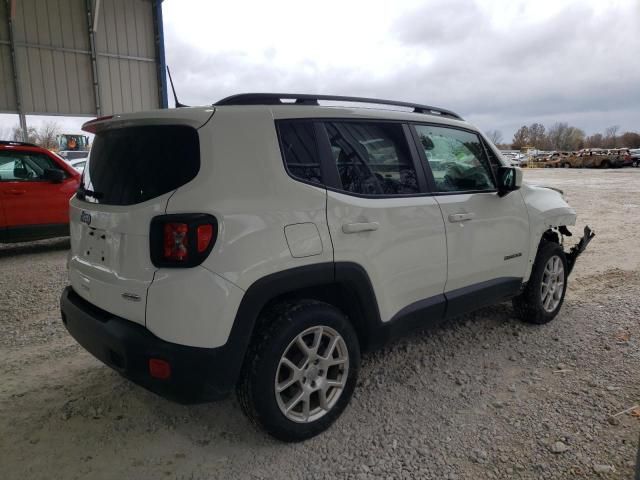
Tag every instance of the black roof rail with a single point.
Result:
(306, 99)
(20, 144)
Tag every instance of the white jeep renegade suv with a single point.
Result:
(262, 243)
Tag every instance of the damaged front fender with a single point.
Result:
(575, 251)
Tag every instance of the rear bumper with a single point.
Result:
(197, 374)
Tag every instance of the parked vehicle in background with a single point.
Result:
(597, 158)
(70, 156)
(557, 159)
(621, 157)
(78, 164)
(267, 266)
(35, 188)
(635, 157)
(73, 146)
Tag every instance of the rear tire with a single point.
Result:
(300, 370)
(605, 164)
(543, 296)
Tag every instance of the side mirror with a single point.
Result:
(54, 175)
(509, 179)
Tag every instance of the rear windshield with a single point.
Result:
(135, 164)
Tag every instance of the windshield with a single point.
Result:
(135, 164)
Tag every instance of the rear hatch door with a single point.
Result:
(133, 169)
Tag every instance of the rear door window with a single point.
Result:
(135, 164)
(372, 158)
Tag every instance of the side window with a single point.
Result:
(15, 166)
(300, 150)
(456, 158)
(372, 158)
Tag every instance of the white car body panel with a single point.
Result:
(405, 257)
(192, 306)
(114, 272)
(477, 248)
(259, 208)
(546, 209)
(251, 200)
(101, 270)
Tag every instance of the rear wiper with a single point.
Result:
(84, 192)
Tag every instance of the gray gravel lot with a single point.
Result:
(483, 397)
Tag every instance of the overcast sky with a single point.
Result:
(499, 63)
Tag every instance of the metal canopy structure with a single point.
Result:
(81, 57)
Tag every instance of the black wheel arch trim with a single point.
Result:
(354, 282)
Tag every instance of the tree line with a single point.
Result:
(44, 136)
(562, 136)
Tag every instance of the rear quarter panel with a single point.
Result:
(243, 183)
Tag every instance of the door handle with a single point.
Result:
(360, 227)
(14, 191)
(461, 217)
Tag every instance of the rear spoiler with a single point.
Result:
(92, 125)
(195, 117)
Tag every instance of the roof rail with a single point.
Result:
(17, 144)
(306, 99)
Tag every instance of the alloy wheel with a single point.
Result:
(552, 285)
(312, 374)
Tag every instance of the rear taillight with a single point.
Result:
(175, 246)
(182, 240)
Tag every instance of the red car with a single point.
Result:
(35, 188)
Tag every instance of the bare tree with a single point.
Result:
(537, 136)
(32, 135)
(611, 136)
(495, 136)
(630, 140)
(561, 136)
(594, 141)
(47, 134)
(520, 138)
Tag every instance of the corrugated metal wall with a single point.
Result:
(53, 56)
(131, 83)
(7, 90)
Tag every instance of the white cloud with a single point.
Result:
(501, 63)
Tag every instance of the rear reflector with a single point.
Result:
(205, 233)
(160, 369)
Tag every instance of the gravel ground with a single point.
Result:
(482, 397)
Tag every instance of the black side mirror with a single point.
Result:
(54, 175)
(509, 180)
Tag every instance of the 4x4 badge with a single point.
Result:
(85, 217)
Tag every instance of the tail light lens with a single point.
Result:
(182, 240)
(204, 234)
(176, 246)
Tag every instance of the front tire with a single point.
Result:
(300, 370)
(543, 296)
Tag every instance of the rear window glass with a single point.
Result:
(135, 164)
(299, 148)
